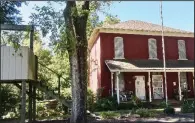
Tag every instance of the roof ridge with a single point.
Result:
(137, 23)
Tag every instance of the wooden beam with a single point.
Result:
(179, 86)
(149, 84)
(112, 85)
(117, 84)
(31, 37)
(59, 84)
(30, 102)
(16, 27)
(34, 89)
(23, 105)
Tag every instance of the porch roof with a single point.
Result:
(124, 65)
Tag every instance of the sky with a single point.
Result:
(176, 14)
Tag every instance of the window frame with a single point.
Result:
(149, 56)
(117, 39)
(179, 58)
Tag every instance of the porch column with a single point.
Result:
(117, 84)
(193, 83)
(179, 81)
(149, 84)
(112, 84)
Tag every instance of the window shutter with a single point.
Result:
(182, 49)
(152, 49)
(119, 48)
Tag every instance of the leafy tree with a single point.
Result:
(69, 29)
(9, 12)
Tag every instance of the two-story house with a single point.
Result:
(128, 57)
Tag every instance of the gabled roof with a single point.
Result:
(139, 28)
(125, 65)
(144, 26)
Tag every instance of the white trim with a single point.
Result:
(150, 91)
(112, 84)
(179, 85)
(117, 81)
(154, 70)
(98, 30)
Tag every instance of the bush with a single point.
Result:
(90, 100)
(137, 102)
(109, 115)
(163, 104)
(106, 104)
(144, 112)
(187, 107)
(123, 106)
(169, 110)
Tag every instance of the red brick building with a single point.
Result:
(128, 56)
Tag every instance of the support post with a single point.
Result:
(30, 107)
(30, 102)
(193, 84)
(179, 86)
(117, 84)
(34, 89)
(59, 84)
(23, 105)
(112, 85)
(149, 84)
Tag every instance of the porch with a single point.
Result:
(151, 82)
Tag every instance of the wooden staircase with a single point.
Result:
(51, 93)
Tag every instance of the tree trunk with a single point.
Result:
(77, 41)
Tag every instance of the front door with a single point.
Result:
(140, 87)
(157, 84)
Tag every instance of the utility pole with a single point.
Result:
(163, 51)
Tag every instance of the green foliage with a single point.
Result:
(109, 115)
(163, 104)
(169, 110)
(187, 107)
(9, 100)
(90, 100)
(105, 104)
(9, 12)
(143, 112)
(137, 102)
(128, 105)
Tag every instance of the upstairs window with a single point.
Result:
(152, 48)
(119, 48)
(181, 50)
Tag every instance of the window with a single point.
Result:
(181, 50)
(152, 48)
(183, 81)
(118, 47)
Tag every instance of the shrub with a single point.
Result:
(144, 112)
(105, 104)
(169, 110)
(128, 105)
(90, 100)
(163, 104)
(109, 115)
(137, 102)
(187, 107)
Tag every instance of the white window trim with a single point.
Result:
(150, 39)
(178, 50)
(115, 38)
